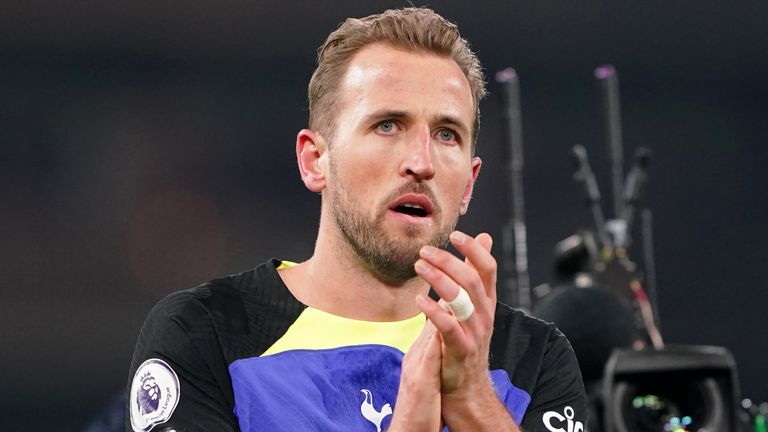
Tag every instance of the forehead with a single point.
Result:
(380, 76)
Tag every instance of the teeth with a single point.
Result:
(416, 206)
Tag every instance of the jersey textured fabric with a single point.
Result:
(249, 356)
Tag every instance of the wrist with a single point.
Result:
(478, 390)
(416, 413)
(477, 410)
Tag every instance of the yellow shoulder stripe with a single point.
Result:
(315, 329)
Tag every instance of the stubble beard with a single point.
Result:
(389, 258)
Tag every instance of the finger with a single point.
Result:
(444, 304)
(427, 358)
(432, 351)
(457, 273)
(486, 241)
(462, 306)
(450, 330)
(417, 348)
(478, 253)
(445, 287)
(449, 291)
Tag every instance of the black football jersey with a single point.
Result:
(241, 353)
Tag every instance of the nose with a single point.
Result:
(418, 161)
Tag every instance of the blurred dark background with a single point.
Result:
(147, 147)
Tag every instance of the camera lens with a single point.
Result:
(667, 406)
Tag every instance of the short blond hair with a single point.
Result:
(412, 29)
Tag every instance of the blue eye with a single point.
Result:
(386, 126)
(447, 135)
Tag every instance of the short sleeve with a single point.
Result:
(558, 400)
(178, 378)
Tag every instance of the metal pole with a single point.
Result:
(609, 81)
(650, 263)
(510, 84)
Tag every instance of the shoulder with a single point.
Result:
(511, 319)
(228, 296)
(185, 307)
(188, 341)
(177, 366)
(523, 337)
(181, 327)
(540, 361)
(529, 345)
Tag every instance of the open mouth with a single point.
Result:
(413, 205)
(411, 210)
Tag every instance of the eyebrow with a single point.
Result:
(387, 114)
(450, 120)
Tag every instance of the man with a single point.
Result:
(320, 345)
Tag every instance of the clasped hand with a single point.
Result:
(446, 369)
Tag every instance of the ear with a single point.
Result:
(476, 162)
(310, 147)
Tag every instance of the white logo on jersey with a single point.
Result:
(154, 394)
(370, 413)
(572, 426)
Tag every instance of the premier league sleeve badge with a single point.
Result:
(154, 394)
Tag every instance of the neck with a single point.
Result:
(335, 280)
